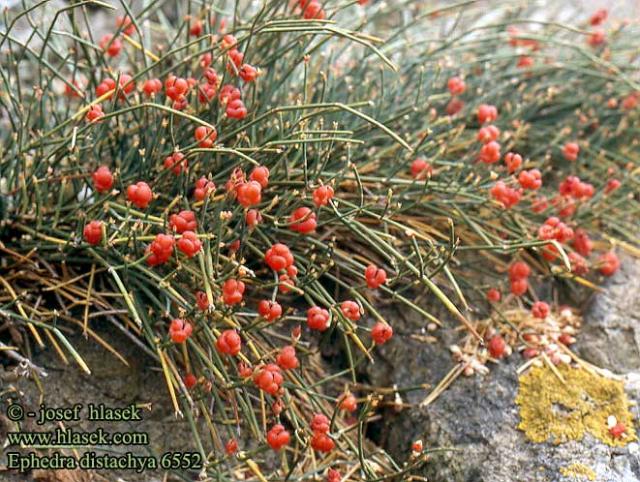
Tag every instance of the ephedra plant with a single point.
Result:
(234, 185)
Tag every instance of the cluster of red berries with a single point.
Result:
(320, 440)
(456, 88)
(180, 330)
(554, 229)
(519, 272)
(229, 342)
(160, 249)
(505, 195)
(268, 378)
(278, 437)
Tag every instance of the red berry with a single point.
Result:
(618, 430)
(540, 309)
(454, 106)
(381, 333)
(278, 257)
(493, 295)
(348, 403)
(228, 93)
(582, 243)
(235, 60)
(176, 88)
(322, 442)
(196, 28)
(490, 153)
(94, 114)
(102, 179)
(231, 447)
(252, 218)
(525, 61)
(139, 194)
(332, 474)
(506, 195)
(578, 264)
(497, 347)
(189, 244)
(318, 318)
(599, 16)
(93, 232)
(125, 83)
(236, 109)
(285, 283)
(612, 185)
(597, 37)
(531, 179)
(630, 102)
(269, 378)
(456, 86)
(519, 286)
(190, 381)
(270, 310)
(570, 151)
(260, 174)
(127, 25)
(244, 370)
(177, 163)
(313, 10)
(278, 437)
(202, 300)
(112, 46)
(488, 133)
(205, 136)
(105, 86)
(351, 310)
(322, 195)
(160, 249)
(228, 42)
(203, 188)
(69, 90)
(206, 93)
(609, 263)
(183, 221)
(248, 73)
(180, 330)
(249, 193)
(232, 291)
(375, 276)
(320, 423)
(421, 169)
(286, 359)
(229, 342)
(151, 87)
(303, 220)
(519, 270)
(513, 161)
(487, 113)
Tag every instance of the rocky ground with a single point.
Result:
(476, 419)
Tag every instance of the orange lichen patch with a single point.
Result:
(553, 411)
(577, 470)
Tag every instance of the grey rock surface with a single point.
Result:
(476, 416)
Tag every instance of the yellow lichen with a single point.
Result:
(553, 411)
(578, 470)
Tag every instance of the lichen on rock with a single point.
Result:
(578, 470)
(553, 411)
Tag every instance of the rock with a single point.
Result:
(472, 425)
(610, 337)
